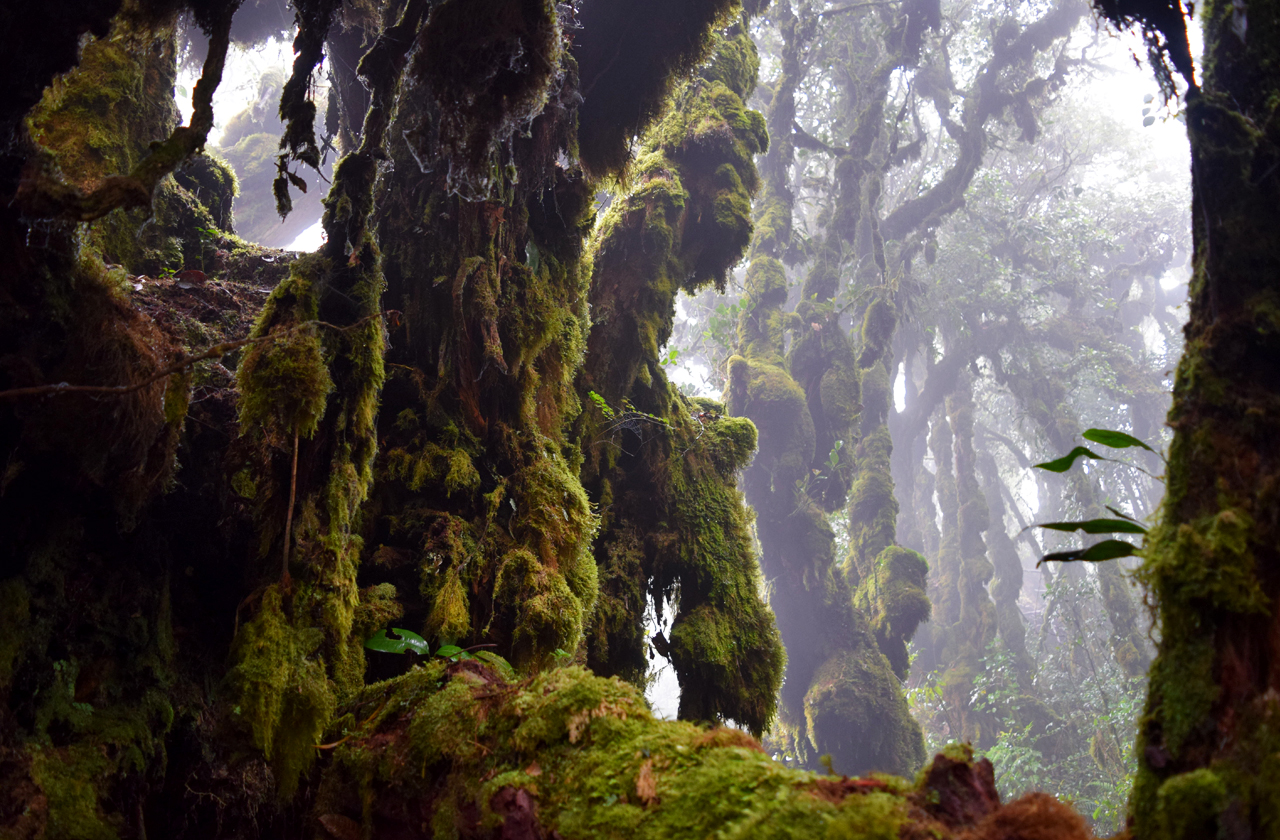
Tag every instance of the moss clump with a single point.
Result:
(460, 747)
(450, 616)
(548, 614)
(378, 608)
(1190, 805)
(422, 463)
(284, 381)
(71, 780)
(895, 600)
(280, 692)
(855, 708)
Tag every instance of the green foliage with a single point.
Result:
(1066, 462)
(408, 641)
(1098, 552)
(1106, 549)
(1114, 439)
(1096, 526)
(1071, 735)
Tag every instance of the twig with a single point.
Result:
(288, 518)
(214, 352)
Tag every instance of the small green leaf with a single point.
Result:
(1097, 526)
(1061, 465)
(449, 650)
(410, 642)
(1146, 121)
(1114, 439)
(1105, 550)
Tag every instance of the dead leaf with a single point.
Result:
(646, 783)
(533, 770)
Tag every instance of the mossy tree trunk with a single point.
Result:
(674, 525)
(1206, 747)
(841, 697)
(121, 718)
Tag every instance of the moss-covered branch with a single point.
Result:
(43, 195)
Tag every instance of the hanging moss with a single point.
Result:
(485, 86)
(282, 694)
(285, 381)
(548, 616)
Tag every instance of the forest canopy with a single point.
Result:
(716, 336)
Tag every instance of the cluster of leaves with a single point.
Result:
(410, 642)
(1085, 754)
(1111, 549)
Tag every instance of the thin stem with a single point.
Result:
(288, 518)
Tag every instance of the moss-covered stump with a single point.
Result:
(464, 750)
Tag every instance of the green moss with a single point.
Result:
(736, 64)
(243, 484)
(281, 693)
(588, 760)
(547, 614)
(177, 399)
(420, 465)
(855, 707)
(71, 780)
(732, 443)
(1189, 805)
(878, 325)
(895, 601)
(1180, 564)
(557, 520)
(378, 607)
(284, 381)
(450, 617)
